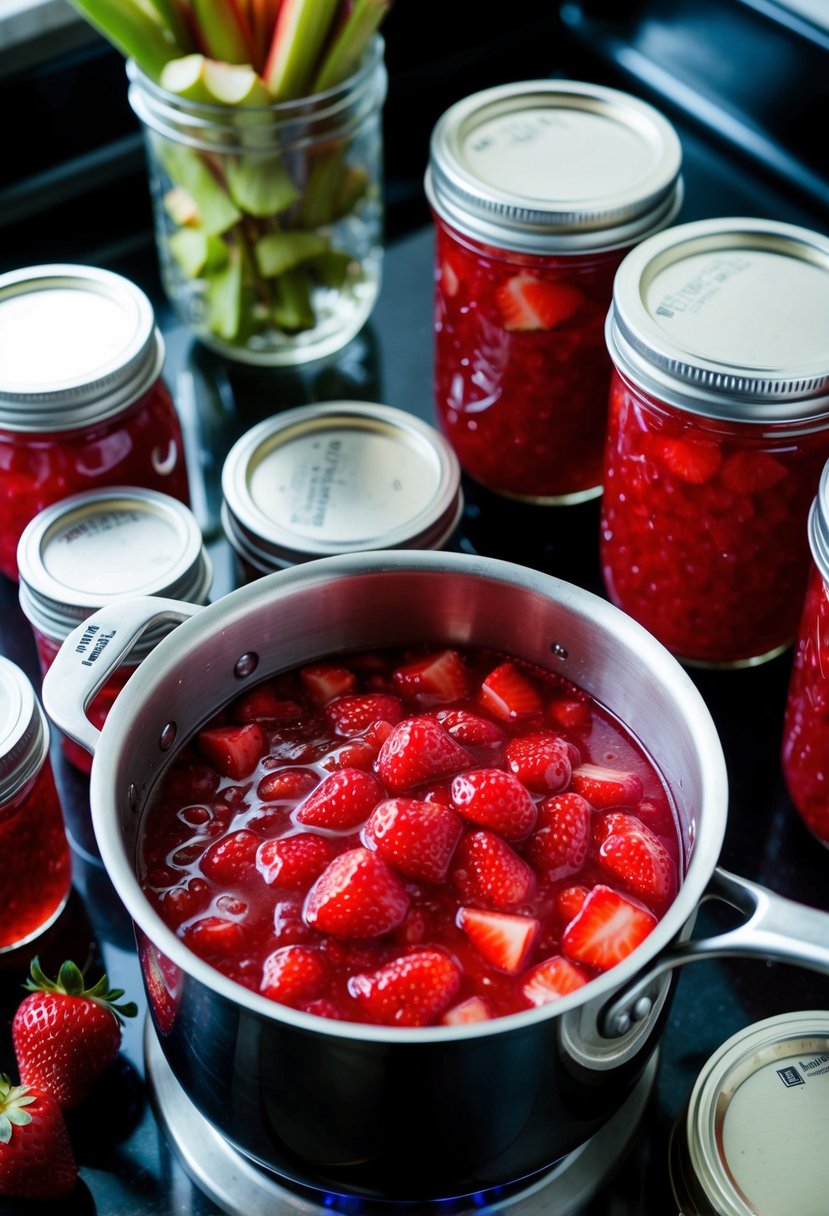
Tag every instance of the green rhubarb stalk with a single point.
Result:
(300, 33)
(348, 46)
(223, 31)
(171, 15)
(277, 252)
(260, 185)
(135, 29)
(197, 78)
(293, 310)
(217, 212)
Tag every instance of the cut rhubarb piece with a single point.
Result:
(293, 309)
(503, 939)
(197, 78)
(186, 168)
(223, 298)
(261, 186)
(281, 251)
(197, 252)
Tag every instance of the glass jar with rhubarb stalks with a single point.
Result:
(718, 431)
(264, 148)
(538, 190)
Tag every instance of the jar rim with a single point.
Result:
(24, 730)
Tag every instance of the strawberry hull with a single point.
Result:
(406, 1112)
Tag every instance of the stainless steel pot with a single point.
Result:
(386, 1112)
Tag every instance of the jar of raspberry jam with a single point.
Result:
(806, 724)
(82, 401)
(718, 432)
(80, 554)
(35, 874)
(538, 190)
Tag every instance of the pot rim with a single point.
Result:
(207, 621)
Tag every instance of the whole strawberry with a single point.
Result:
(66, 1035)
(36, 1159)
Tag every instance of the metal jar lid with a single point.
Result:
(77, 345)
(727, 318)
(24, 732)
(819, 525)
(83, 552)
(752, 1141)
(554, 166)
(336, 478)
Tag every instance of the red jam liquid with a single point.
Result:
(35, 873)
(521, 366)
(206, 834)
(703, 531)
(142, 446)
(806, 726)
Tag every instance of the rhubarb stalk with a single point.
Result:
(348, 46)
(301, 29)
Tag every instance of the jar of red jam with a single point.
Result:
(339, 477)
(82, 401)
(80, 554)
(718, 431)
(538, 190)
(35, 874)
(806, 725)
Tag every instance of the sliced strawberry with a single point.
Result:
(264, 703)
(486, 870)
(569, 712)
(438, 678)
(630, 852)
(561, 842)
(234, 751)
(540, 760)
(287, 784)
(412, 990)
(747, 472)
(502, 938)
(293, 862)
(606, 787)
(495, 799)
(691, 460)
(473, 1009)
(343, 800)
(419, 750)
(470, 729)
(351, 715)
(293, 973)
(416, 838)
(357, 895)
(608, 928)
(325, 681)
(528, 303)
(552, 979)
(507, 694)
(232, 858)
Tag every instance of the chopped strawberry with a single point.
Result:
(470, 729)
(747, 472)
(486, 870)
(569, 902)
(325, 681)
(507, 694)
(528, 303)
(288, 926)
(561, 842)
(215, 937)
(180, 903)
(293, 862)
(569, 712)
(357, 895)
(356, 754)
(552, 979)
(608, 928)
(36, 1157)
(351, 715)
(412, 990)
(502, 938)
(606, 787)
(229, 860)
(495, 799)
(473, 1009)
(287, 784)
(438, 678)
(234, 751)
(416, 838)
(419, 750)
(540, 760)
(343, 800)
(264, 703)
(293, 973)
(691, 460)
(630, 852)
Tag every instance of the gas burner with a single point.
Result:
(241, 1188)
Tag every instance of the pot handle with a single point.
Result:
(775, 928)
(93, 651)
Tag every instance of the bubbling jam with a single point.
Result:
(412, 838)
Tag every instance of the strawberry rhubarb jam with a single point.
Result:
(412, 838)
(718, 431)
(538, 190)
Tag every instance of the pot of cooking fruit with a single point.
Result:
(413, 844)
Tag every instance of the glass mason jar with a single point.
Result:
(537, 190)
(718, 431)
(35, 874)
(82, 399)
(269, 219)
(805, 755)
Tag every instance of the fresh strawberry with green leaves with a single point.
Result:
(411, 990)
(438, 678)
(233, 751)
(419, 750)
(561, 841)
(540, 760)
(552, 979)
(294, 862)
(357, 895)
(528, 303)
(628, 851)
(608, 928)
(694, 461)
(416, 838)
(486, 870)
(291, 974)
(507, 694)
(36, 1158)
(495, 799)
(342, 800)
(504, 939)
(605, 787)
(352, 714)
(65, 1034)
